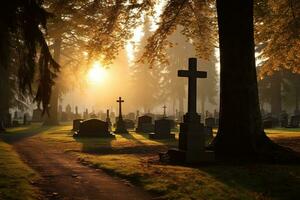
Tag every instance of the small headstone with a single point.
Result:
(210, 122)
(76, 124)
(284, 119)
(145, 124)
(93, 128)
(108, 121)
(162, 130)
(295, 120)
(15, 123)
(37, 115)
(25, 122)
(270, 122)
(129, 124)
(130, 116)
(8, 121)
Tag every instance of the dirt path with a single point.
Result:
(64, 178)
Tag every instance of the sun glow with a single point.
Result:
(97, 74)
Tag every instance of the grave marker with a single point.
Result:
(120, 125)
(192, 133)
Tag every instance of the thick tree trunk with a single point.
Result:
(4, 97)
(240, 135)
(276, 94)
(52, 118)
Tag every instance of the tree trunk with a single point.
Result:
(240, 135)
(276, 94)
(4, 97)
(52, 118)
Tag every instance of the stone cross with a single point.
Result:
(192, 75)
(120, 101)
(164, 107)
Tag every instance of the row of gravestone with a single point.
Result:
(161, 129)
(270, 121)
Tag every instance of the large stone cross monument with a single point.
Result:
(191, 146)
(120, 125)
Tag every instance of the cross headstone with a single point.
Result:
(120, 125)
(192, 75)
(192, 135)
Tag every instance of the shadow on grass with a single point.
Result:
(268, 181)
(103, 146)
(13, 135)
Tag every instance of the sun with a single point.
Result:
(97, 74)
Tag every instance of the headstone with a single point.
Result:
(69, 112)
(15, 123)
(93, 128)
(129, 124)
(86, 114)
(210, 122)
(284, 119)
(64, 117)
(25, 122)
(130, 116)
(162, 130)
(192, 135)
(165, 113)
(108, 120)
(37, 115)
(120, 125)
(76, 124)
(145, 124)
(270, 122)
(295, 120)
(8, 121)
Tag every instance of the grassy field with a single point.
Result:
(135, 158)
(15, 176)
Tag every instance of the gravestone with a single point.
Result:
(15, 123)
(64, 117)
(270, 122)
(8, 121)
(76, 115)
(129, 124)
(130, 116)
(93, 128)
(284, 119)
(210, 122)
(145, 124)
(25, 121)
(295, 120)
(108, 120)
(192, 135)
(162, 130)
(120, 124)
(86, 114)
(37, 115)
(76, 124)
(69, 112)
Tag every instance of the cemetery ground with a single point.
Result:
(134, 159)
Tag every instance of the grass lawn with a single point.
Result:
(135, 157)
(15, 176)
